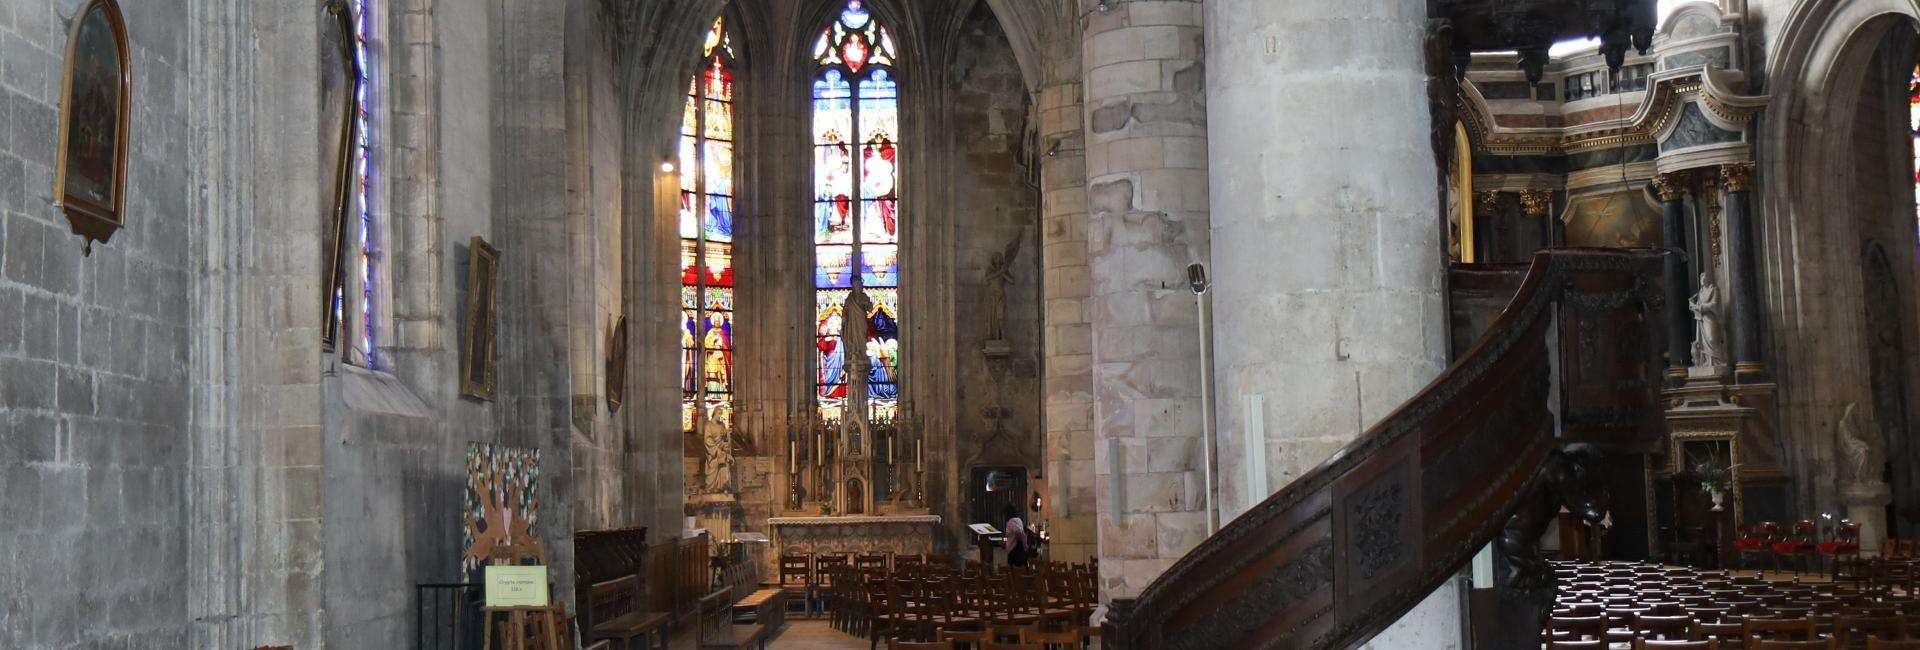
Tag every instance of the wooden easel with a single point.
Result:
(513, 631)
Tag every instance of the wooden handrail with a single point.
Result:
(1341, 553)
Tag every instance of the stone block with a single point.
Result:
(27, 384)
(27, 69)
(35, 128)
(28, 437)
(74, 391)
(12, 318)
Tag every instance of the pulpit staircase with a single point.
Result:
(1568, 371)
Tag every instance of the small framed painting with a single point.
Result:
(617, 364)
(90, 177)
(483, 293)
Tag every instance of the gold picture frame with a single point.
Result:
(340, 76)
(96, 101)
(1677, 443)
(617, 364)
(483, 293)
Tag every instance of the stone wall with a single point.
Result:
(995, 203)
(94, 393)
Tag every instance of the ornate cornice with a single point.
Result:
(1668, 91)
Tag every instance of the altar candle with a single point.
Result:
(920, 454)
(793, 456)
(819, 450)
(890, 442)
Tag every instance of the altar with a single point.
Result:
(894, 534)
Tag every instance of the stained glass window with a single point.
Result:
(856, 207)
(706, 235)
(353, 302)
(1913, 115)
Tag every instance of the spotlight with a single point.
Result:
(666, 167)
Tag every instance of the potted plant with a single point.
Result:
(1716, 479)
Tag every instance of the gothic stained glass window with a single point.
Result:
(856, 214)
(1913, 116)
(706, 235)
(353, 301)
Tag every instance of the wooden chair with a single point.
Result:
(1009, 646)
(1756, 629)
(972, 638)
(1799, 546)
(796, 578)
(1853, 631)
(1816, 644)
(870, 562)
(919, 645)
(1877, 643)
(1591, 644)
(1664, 628)
(1646, 644)
(1062, 639)
(1593, 627)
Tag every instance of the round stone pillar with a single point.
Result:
(1146, 161)
(1328, 245)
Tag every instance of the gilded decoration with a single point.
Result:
(1670, 186)
(1536, 202)
(1737, 177)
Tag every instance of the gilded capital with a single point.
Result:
(1536, 202)
(1488, 202)
(1737, 177)
(1671, 186)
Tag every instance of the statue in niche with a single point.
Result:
(999, 273)
(1708, 350)
(1859, 453)
(858, 308)
(719, 447)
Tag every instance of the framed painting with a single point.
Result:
(483, 292)
(90, 177)
(617, 364)
(339, 107)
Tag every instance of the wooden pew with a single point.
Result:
(610, 582)
(616, 611)
(716, 629)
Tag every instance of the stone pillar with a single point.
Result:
(1673, 225)
(1147, 202)
(1329, 250)
(1738, 180)
(1068, 385)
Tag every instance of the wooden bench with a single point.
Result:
(716, 629)
(616, 611)
(768, 607)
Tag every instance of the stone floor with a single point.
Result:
(798, 634)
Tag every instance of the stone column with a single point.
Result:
(1673, 224)
(1738, 180)
(1147, 220)
(1068, 384)
(1329, 250)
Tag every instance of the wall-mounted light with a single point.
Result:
(1036, 502)
(1102, 7)
(666, 167)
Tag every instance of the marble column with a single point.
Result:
(1328, 241)
(1146, 131)
(1486, 215)
(1737, 178)
(1673, 225)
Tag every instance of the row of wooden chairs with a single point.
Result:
(1656, 607)
(1000, 637)
(918, 602)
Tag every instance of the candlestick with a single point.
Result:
(793, 456)
(920, 454)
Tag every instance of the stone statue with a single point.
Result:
(1708, 350)
(719, 446)
(853, 338)
(999, 273)
(1859, 452)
